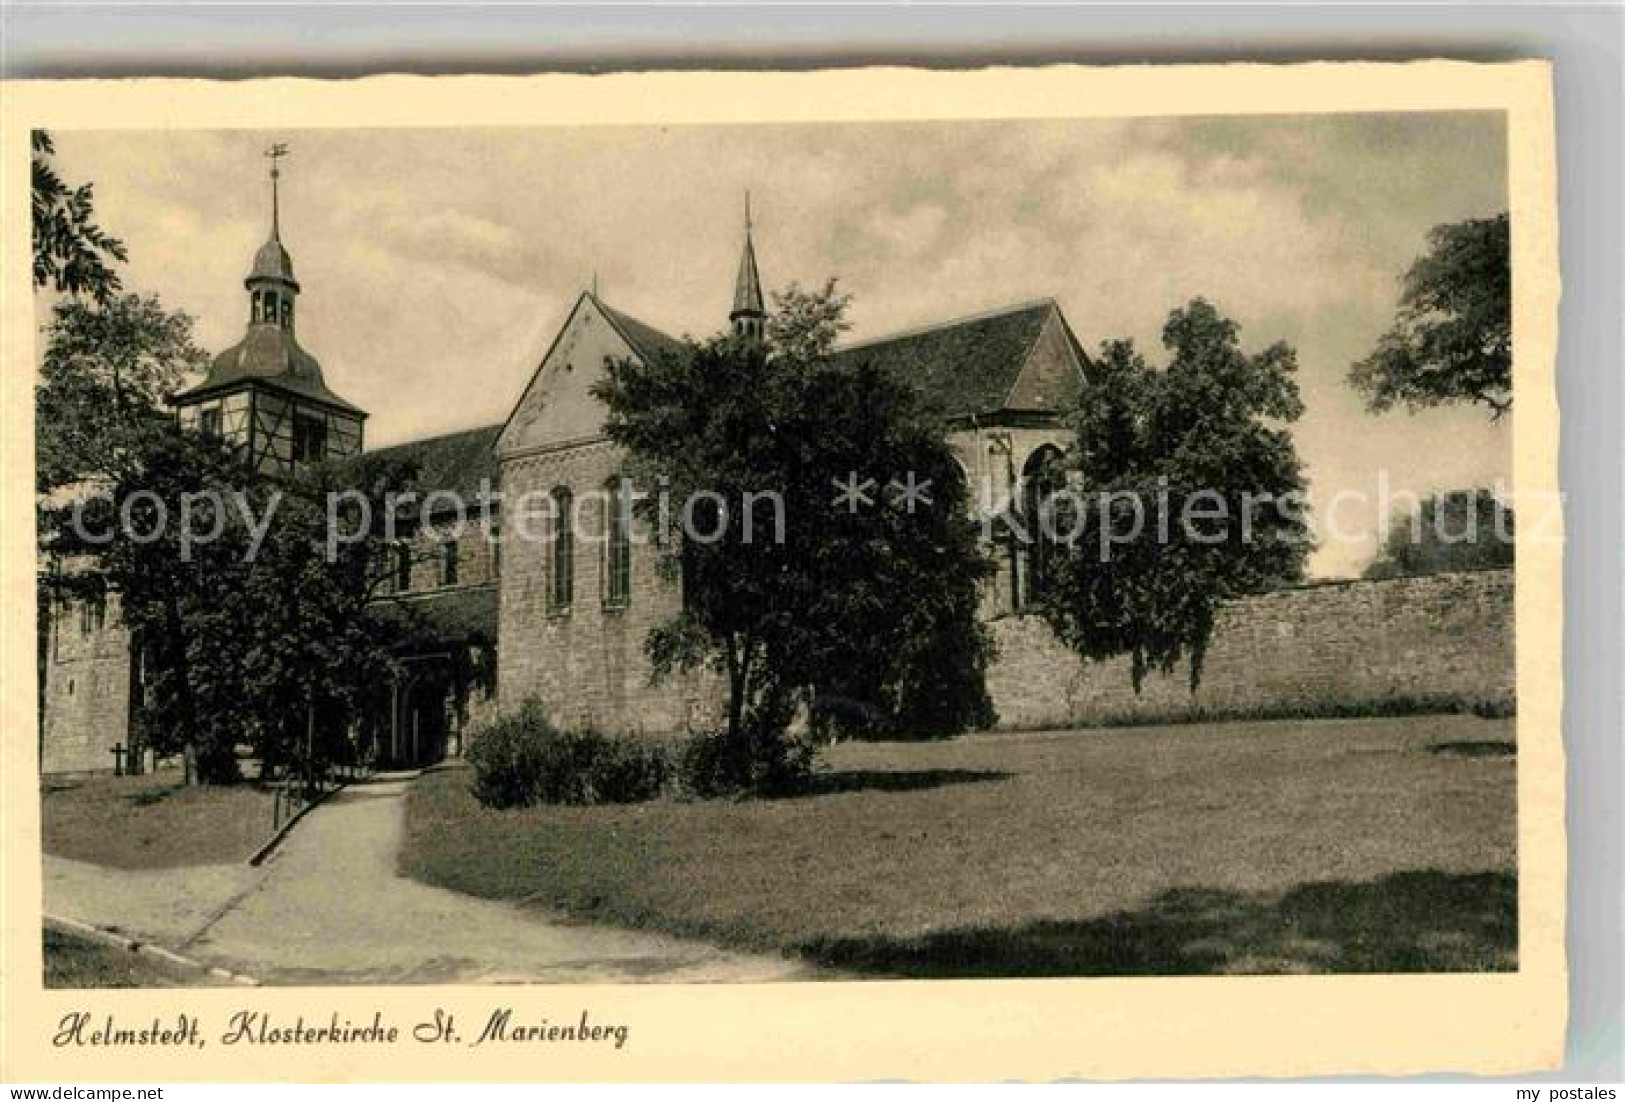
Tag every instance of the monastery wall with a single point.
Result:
(1443, 640)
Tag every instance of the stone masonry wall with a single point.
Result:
(1444, 638)
(587, 665)
(87, 691)
(476, 557)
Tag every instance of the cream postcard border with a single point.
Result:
(927, 1029)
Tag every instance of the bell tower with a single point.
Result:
(265, 395)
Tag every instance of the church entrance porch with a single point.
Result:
(444, 664)
(418, 721)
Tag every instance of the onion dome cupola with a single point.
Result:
(266, 394)
(749, 317)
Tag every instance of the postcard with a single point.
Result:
(1015, 573)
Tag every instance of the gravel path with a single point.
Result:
(328, 907)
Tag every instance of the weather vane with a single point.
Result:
(276, 151)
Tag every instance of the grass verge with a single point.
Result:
(72, 961)
(153, 821)
(1317, 846)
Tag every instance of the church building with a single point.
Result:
(563, 620)
(571, 625)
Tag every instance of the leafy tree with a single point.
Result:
(125, 539)
(253, 622)
(256, 636)
(102, 379)
(1452, 338)
(1459, 530)
(1183, 489)
(107, 366)
(72, 253)
(239, 647)
(315, 650)
(859, 596)
(805, 324)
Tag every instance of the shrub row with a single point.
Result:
(523, 759)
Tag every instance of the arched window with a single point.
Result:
(562, 591)
(617, 544)
(1040, 478)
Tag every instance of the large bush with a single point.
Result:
(523, 759)
(757, 761)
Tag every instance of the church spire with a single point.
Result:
(271, 285)
(748, 316)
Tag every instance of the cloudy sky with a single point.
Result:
(436, 265)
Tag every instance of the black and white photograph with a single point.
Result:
(740, 553)
(535, 559)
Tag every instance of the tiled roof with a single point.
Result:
(748, 287)
(646, 340)
(967, 366)
(461, 615)
(268, 354)
(456, 462)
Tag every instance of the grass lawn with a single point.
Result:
(153, 821)
(1319, 846)
(76, 962)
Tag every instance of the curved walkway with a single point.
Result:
(328, 907)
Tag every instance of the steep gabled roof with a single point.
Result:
(456, 462)
(646, 340)
(969, 366)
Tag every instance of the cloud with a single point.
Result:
(436, 264)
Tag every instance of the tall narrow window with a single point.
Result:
(1035, 549)
(309, 437)
(617, 545)
(403, 568)
(208, 421)
(1041, 478)
(448, 563)
(562, 591)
